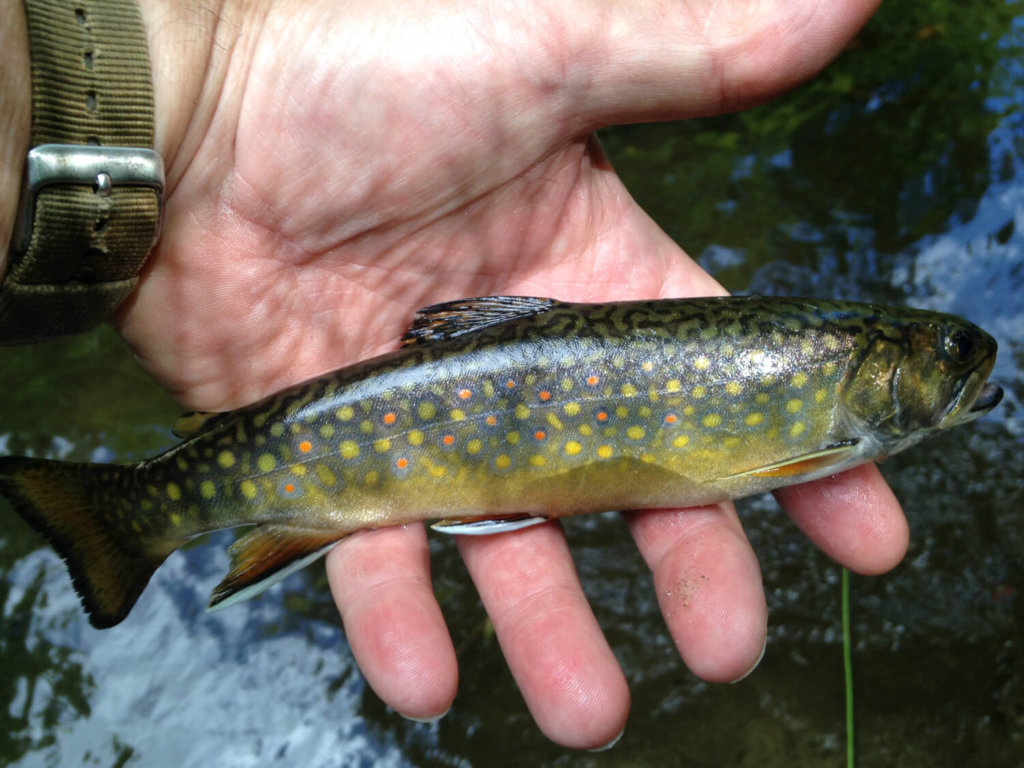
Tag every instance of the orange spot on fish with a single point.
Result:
(593, 380)
(671, 418)
(402, 463)
(448, 439)
(390, 417)
(465, 394)
(491, 420)
(510, 384)
(540, 434)
(602, 416)
(544, 395)
(289, 488)
(305, 446)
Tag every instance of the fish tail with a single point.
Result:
(70, 504)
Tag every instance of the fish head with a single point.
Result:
(920, 374)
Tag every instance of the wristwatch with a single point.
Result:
(93, 185)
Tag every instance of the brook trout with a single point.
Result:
(504, 411)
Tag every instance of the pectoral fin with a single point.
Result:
(264, 556)
(838, 455)
(487, 526)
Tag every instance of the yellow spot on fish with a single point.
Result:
(688, 410)
(372, 477)
(572, 448)
(797, 429)
(701, 363)
(503, 461)
(226, 459)
(136, 526)
(327, 431)
(605, 451)
(366, 426)
(207, 489)
(175, 520)
(733, 388)
(586, 430)
(762, 398)
(566, 385)
(799, 379)
(554, 421)
(382, 446)
(673, 385)
(648, 458)
(731, 442)
(622, 411)
(681, 442)
(266, 462)
(753, 419)
(276, 430)
(458, 414)
(522, 412)
(537, 460)
(474, 446)
(174, 491)
(699, 392)
(326, 475)
(820, 395)
(712, 420)
(416, 437)
(426, 410)
(512, 438)
(628, 390)
(349, 449)
(345, 413)
(829, 368)
(488, 388)
(182, 464)
(571, 409)
(794, 405)
(647, 366)
(635, 433)
(248, 489)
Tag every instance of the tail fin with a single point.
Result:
(72, 505)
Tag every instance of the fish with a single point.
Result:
(501, 412)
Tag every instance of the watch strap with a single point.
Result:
(85, 227)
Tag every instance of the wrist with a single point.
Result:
(15, 109)
(190, 46)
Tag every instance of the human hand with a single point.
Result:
(333, 167)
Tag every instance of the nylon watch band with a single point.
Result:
(91, 204)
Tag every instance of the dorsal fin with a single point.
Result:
(191, 423)
(456, 318)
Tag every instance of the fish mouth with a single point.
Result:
(989, 397)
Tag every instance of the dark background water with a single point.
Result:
(895, 176)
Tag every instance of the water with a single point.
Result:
(896, 176)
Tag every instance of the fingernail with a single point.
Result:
(745, 675)
(610, 744)
(427, 720)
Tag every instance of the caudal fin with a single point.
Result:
(71, 505)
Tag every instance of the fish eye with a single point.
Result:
(959, 346)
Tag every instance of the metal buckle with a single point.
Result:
(101, 168)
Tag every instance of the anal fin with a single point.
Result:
(485, 526)
(266, 555)
(836, 455)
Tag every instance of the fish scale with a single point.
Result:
(520, 409)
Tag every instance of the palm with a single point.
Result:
(354, 172)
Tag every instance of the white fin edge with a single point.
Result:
(264, 584)
(487, 527)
